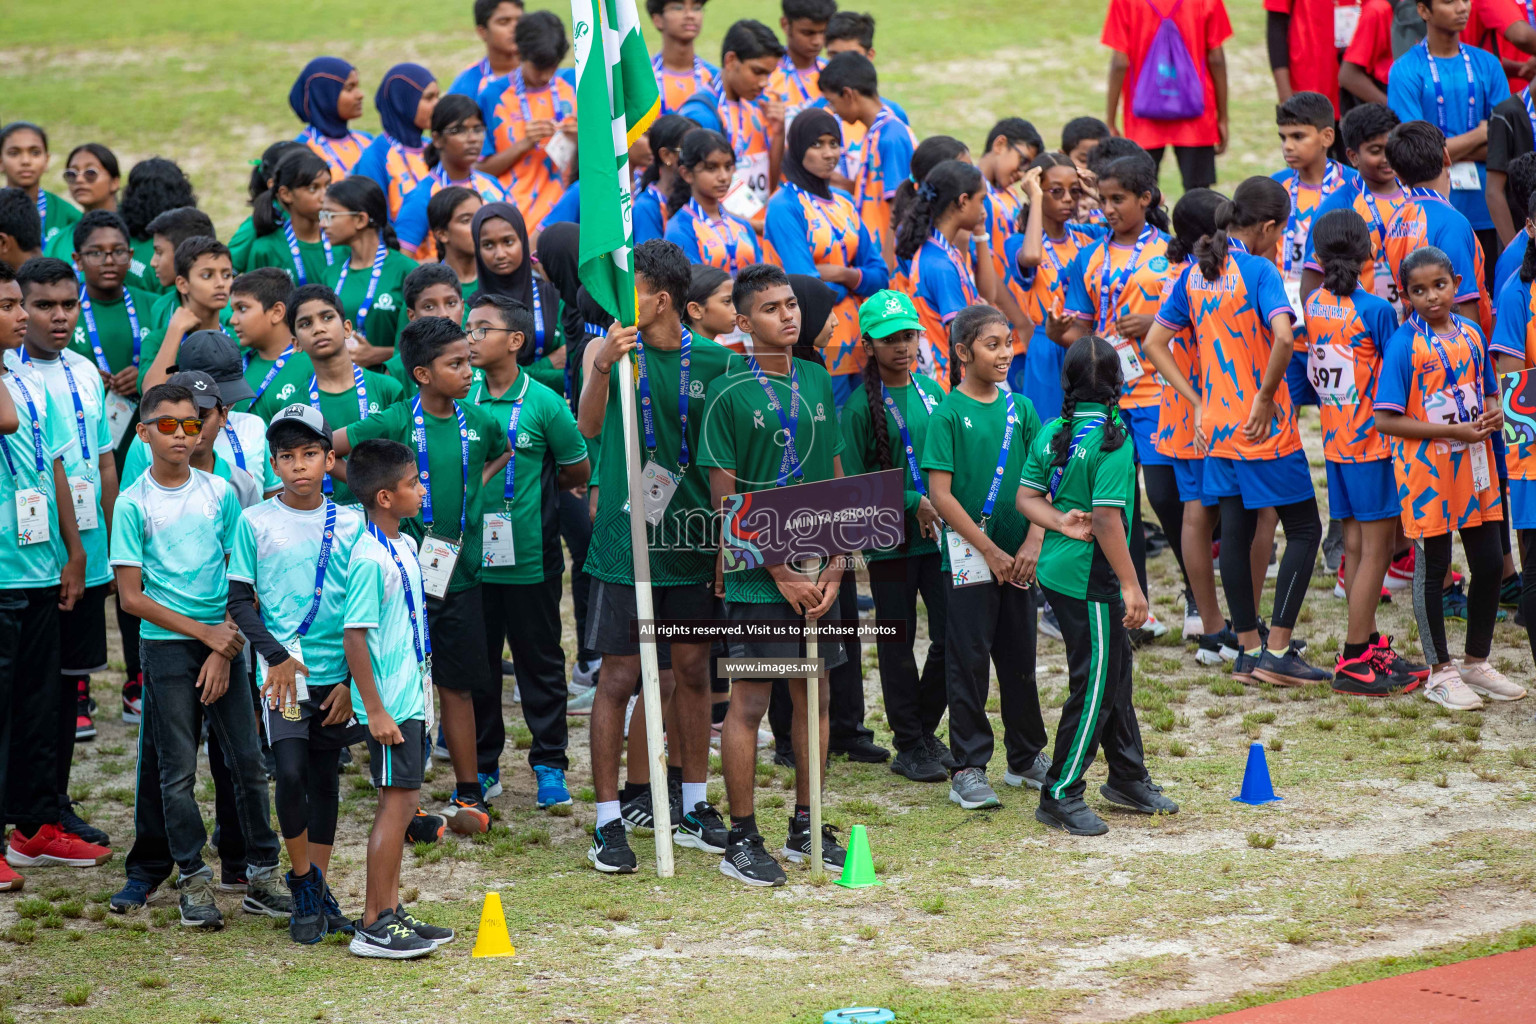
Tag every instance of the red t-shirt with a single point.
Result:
(1129, 27)
(1485, 28)
(1314, 55)
(1371, 48)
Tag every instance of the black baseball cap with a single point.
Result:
(216, 354)
(205, 390)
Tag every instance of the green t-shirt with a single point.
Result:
(62, 217)
(965, 438)
(446, 481)
(159, 320)
(546, 439)
(1092, 478)
(742, 433)
(382, 325)
(39, 564)
(340, 409)
(287, 383)
(271, 250)
(859, 449)
(240, 245)
(683, 544)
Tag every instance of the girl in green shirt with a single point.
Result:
(368, 275)
(285, 220)
(24, 160)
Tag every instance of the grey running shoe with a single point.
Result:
(969, 789)
(1033, 776)
(198, 907)
(267, 895)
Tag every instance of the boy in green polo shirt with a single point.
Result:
(258, 315)
(166, 232)
(1082, 464)
(770, 421)
(453, 441)
(521, 564)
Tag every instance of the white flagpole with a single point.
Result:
(813, 745)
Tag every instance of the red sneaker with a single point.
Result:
(1400, 572)
(85, 729)
(10, 881)
(51, 846)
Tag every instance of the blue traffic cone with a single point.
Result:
(1257, 789)
(858, 1015)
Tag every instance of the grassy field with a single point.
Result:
(1403, 840)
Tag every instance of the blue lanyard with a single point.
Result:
(420, 433)
(906, 435)
(724, 229)
(358, 385)
(1331, 179)
(95, 336)
(316, 139)
(293, 248)
(509, 487)
(373, 286)
(1111, 283)
(405, 161)
(1378, 223)
(1050, 250)
(1530, 106)
(661, 70)
(538, 320)
(790, 464)
(1077, 439)
(37, 429)
(961, 265)
(1445, 362)
(794, 74)
(648, 414)
(1434, 74)
(272, 372)
(812, 205)
(74, 394)
(234, 445)
(1002, 463)
(421, 638)
(325, 559)
(42, 207)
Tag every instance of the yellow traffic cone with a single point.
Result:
(492, 938)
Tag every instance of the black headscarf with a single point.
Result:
(816, 302)
(559, 255)
(521, 282)
(809, 125)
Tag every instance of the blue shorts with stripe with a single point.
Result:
(1190, 474)
(400, 766)
(1142, 423)
(1262, 483)
(1363, 491)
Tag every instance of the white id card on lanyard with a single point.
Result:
(1345, 21)
(967, 567)
(1481, 480)
(560, 150)
(300, 682)
(658, 484)
(1293, 296)
(83, 492)
(438, 557)
(119, 416)
(32, 517)
(1464, 177)
(1131, 366)
(426, 696)
(496, 550)
(748, 193)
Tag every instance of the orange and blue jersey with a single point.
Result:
(411, 226)
(885, 162)
(395, 167)
(340, 155)
(795, 88)
(1000, 218)
(1044, 287)
(677, 87)
(650, 213)
(1514, 334)
(473, 79)
(1107, 280)
(728, 242)
(1435, 483)
(1508, 264)
(534, 184)
(1305, 202)
(742, 124)
(1346, 335)
(854, 133)
(1377, 212)
(1230, 319)
(1175, 436)
(802, 232)
(940, 282)
(1425, 218)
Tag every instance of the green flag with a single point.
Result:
(613, 75)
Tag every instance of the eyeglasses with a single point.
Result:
(479, 333)
(118, 255)
(455, 131)
(326, 216)
(168, 425)
(1061, 193)
(89, 175)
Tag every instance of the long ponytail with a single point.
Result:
(296, 168)
(1256, 200)
(667, 133)
(1090, 372)
(1342, 244)
(931, 152)
(940, 190)
(1194, 217)
(874, 393)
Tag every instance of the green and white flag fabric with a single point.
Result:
(613, 74)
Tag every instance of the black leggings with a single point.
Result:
(1528, 586)
(1303, 534)
(307, 790)
(1163, 495)
(1138, 541)
(1485, 564)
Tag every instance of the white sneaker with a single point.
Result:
(1154, 627)
(584, 675)
(1446, 689)
(1487, 681)
(1194, 626)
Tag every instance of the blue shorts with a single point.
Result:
(1037, 375)
(1363, 491)
(1302, 392)
(1522, 504)
(1262, 483)
(1190, 473)
(1143, 426)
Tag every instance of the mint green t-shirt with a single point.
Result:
(24, 566)
(376, 601)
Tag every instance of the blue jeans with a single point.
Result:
(168, 740)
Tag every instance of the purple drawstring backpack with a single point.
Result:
(1170, 87)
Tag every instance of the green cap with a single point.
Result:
(886, 312)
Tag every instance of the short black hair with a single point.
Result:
(309, 293)
(1522, 182)
(97, 220)
(514, 315)
(808, 10)
(758, 277)
(541, 39)
(424, 277)
(188, 252)
(442, 204)
(749, 40)
(1015, 130)
(16, 126)
(287, 435)
(1112, 149)
(43, 270)
(485, 8)
(1305, 108)
(855, 25)
(377, 465)
(163, 394)
(655, 7)
(424, 339)
(850, 70)
(1079, 129)
(1366, 122)
(179, 224)
(6, 273)
(1416, 151)
(666, 267)
(267, 285)
(19, 219)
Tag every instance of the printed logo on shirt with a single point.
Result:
(1157, 264)
(967, 423)
(386, 301)
(821, 414)
(373, 407)
(137, 268)
(286, 393)
(523, 440)
(474, 435)
(695, 389)
(210, 509)
(757, 418)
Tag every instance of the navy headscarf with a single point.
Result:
(397, 99)
(317, 91)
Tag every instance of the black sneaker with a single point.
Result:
(1070, 815)
(784, 758)
(1509, 592)
(797, 848)
(335, 920)
(435, 934)
(863, 750)
(1143, 796)
(1033, 776)
(198, 907)
(610, 852)
(232, 878)
(72, 823)
(267, 895)
(747, 861)
(425, 828)
(919, 766)
(702, 829)
(639, 812)
(1216, 649)
(133, 895)
(939, 750)
(389, 938)
(308, 924)
(1289, 669)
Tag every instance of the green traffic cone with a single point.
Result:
(859, 867)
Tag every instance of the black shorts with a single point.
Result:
(611, 612)
(1197, 164)
(83, 634)
(304, 723)
(832, 652)
(400, 766)
(457, 623)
